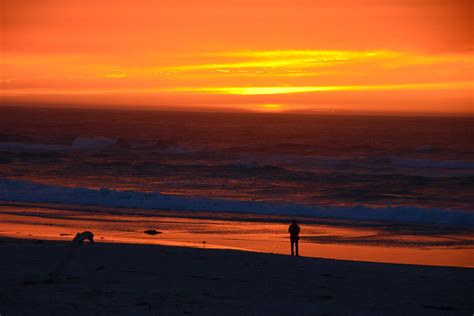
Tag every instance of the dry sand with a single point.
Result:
(105, 279)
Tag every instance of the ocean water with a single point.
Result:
(406, 169)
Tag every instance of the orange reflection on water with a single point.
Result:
(317, 240)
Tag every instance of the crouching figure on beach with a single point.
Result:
(75, 243)
(294, 231)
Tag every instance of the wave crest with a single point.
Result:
(24, 191)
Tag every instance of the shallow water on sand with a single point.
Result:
(368, 241)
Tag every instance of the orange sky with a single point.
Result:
(260, 55)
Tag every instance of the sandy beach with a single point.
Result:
(107, 278)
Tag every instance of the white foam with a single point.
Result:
(15, 190)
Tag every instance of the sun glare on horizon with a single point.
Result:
(402, 54)
(272, 107)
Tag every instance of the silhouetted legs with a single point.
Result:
(294, 246)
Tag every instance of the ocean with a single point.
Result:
(404, 169)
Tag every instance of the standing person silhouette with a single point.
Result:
(294, 231)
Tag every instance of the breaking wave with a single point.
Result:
(24, 191)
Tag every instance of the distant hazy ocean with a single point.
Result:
(417, 169)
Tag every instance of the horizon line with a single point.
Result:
(224, 110)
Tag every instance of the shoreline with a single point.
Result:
(107, 278)
(373, 242)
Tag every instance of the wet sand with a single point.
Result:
(374, 242)
(124, 279)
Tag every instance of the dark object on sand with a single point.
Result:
(80, 237)
(152, 232)
(75, 243)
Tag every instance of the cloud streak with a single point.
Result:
(305, 89)
(245, 73)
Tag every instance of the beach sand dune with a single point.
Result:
(126, 279)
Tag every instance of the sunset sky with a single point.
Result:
(259, 55)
